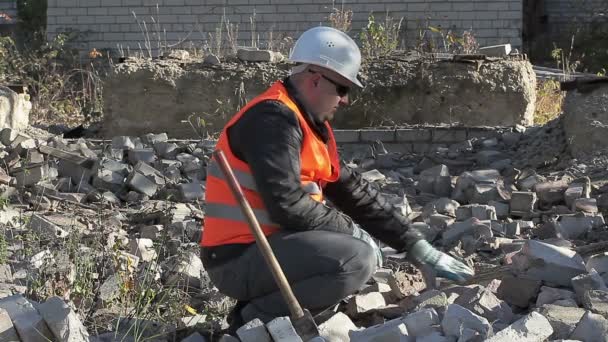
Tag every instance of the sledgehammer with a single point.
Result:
(301, 319)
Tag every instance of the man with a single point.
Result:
(282, 150)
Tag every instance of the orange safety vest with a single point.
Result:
(225, 223)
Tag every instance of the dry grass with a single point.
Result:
(549, 100)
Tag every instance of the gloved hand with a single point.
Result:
(364, 236)
(445, 265)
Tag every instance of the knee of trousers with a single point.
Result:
(362, 264)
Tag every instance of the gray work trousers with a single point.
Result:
(322, 268)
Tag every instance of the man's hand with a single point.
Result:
(362, 235)
(445, 265)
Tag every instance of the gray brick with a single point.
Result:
(486, 15)
(377, 134)
(89, 3)
(77, 11)
(63, 20)
(441, 6)
(57, 11)
(451, 135)
(104, 19)
(510, 15)
(413, 135)
(347, 136)
(418, 7)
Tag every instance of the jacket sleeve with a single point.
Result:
(364, 202)
(269, 139)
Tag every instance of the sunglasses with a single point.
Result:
(341, 90)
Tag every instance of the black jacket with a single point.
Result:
(269, 139)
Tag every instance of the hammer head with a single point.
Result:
(306, 327)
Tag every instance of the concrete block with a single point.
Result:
(254, 55)
(532, 328)
(457, 318)
(77, 173)
(587, 205)
(591, 327)
(371, 135)
(363, 303)
(483, 302)
(551, 192)
(452, 135)
(63, 321)
(562, 319)
(122, 143)
(347, 135)
(31, 175)
(166, 150)
(542, 261)
(470, 227)
(146, 155)
(373, 176)
(196, 337)
(573, 193)
(413, 135)
(337, 328)
(42, 225)
(501, 50)
(585, 282)
(151, 232)
(30, 326)
(254, 331)
(549, 295)
(109, 180)
(143, 248)
(281, 329)
(519, 292)
(573, 227)
(142, 184)
(421, 322)
(191, 192)
(596, 301)
(522, 202)
(512, 229)
(502, 209)
(7, 330)
(393, 330)
(153, 139)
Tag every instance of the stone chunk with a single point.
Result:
(143, 248)
(421, 322)
(522, 202)
(146, 155)
(591, 328)
(191, 192)
(531, 328)
(337, 328)
(457, 318)
(255, 55)
(42, 225)
(122, 143)
(63, 321)
(27, 321)
(7, 330)
(281, 329)
(518, 292)
(549, 295)
(483, 302)
(501, 50)
(596, 301)
(254, 331)
(542, 261)
(363, 303)
(562, 319)
(394, 330)
(551, 192)
(588, 205)
(585, 282)
(574, 227)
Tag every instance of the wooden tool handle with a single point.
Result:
(260, 238)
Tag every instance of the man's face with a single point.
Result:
(327, 92)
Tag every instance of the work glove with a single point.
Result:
(362, 235)
(445, 265)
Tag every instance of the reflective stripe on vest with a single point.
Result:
(235, 213)
(245, 180)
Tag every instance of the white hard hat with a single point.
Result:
(329, 48)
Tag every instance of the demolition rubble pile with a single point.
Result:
(513, 206)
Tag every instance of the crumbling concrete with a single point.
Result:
(14, 109)
(495, 93)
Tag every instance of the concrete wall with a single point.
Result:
(111, 22)
(564, 16)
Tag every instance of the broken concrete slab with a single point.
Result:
(122, 143)
(585, 282)
(190, 192)
(421, 322)
(522, 203)
(255, 55)
(591, 327)
(457, 318)
(143, 248)
(363, 303)
(393, 330)
(7, 330)
(281, 329)
(337, 328)
(254, 331)
(562, 319)
(532, 328)
(501, 50)
(63, 321)
(146, 155)
(44, 226)
(551, 192)
(483, 302)
(27, 321)
(542, 261)
(549, 295)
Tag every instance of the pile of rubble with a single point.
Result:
(96, 231)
